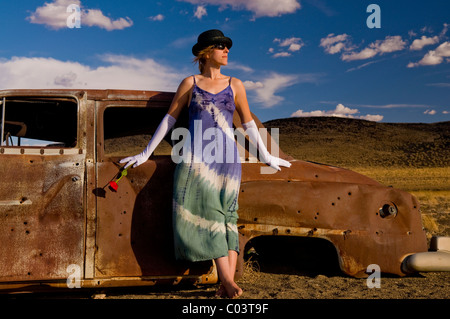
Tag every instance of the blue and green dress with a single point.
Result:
(207, 182)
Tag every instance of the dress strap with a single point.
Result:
(194, 79)
(230, 80)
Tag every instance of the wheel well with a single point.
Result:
(293, 255)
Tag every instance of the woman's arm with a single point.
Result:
(181, 98)
(251, 129)
(240, 100)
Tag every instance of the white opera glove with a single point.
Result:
(252, 131)
(164, 127)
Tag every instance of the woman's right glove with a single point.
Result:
(164, 127)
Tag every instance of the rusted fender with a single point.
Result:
(338, 205)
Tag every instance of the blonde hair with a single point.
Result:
(201, 57)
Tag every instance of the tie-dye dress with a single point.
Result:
(207, 181)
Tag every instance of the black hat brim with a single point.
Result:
(200, 46)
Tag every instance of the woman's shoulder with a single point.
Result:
(237, 84)
(189, 80)
(186, 84)
(235, 81)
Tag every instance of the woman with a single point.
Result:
(205, 198)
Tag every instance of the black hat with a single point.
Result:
(208, 38)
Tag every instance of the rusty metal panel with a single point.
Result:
(134, 223)
(134, 235)
(346, 213)
(42, 219)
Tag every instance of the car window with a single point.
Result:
(38, 122)
(127, 130)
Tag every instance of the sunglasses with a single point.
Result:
(220, 46)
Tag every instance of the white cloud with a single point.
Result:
(336, 43)
(339, 111)
(200, 12)
(389, 44)
(439, 85)
(430, 112)
(250, 85)
(158, 17)
(362, 66)
(260, 8)
(291, 44)
(341, 43)
(418, 44)
(281, 54)
(119, 72)
(54, 15)
(237, 66)
(434, 57)
(366, 53)
(444, 31)
(373, 118)
(266, 89)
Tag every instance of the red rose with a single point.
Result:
(113, 185)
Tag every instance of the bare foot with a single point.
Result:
(221, 291)
(232, 290)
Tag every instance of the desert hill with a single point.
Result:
(351, 143)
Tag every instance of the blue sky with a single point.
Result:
(295, 57)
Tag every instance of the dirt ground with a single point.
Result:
(301, 286)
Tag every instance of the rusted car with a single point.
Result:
(60, 220)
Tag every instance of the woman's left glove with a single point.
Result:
(275, 162)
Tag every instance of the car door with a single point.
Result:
(41, 190)
(134, 235)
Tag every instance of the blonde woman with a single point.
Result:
(205, 197)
